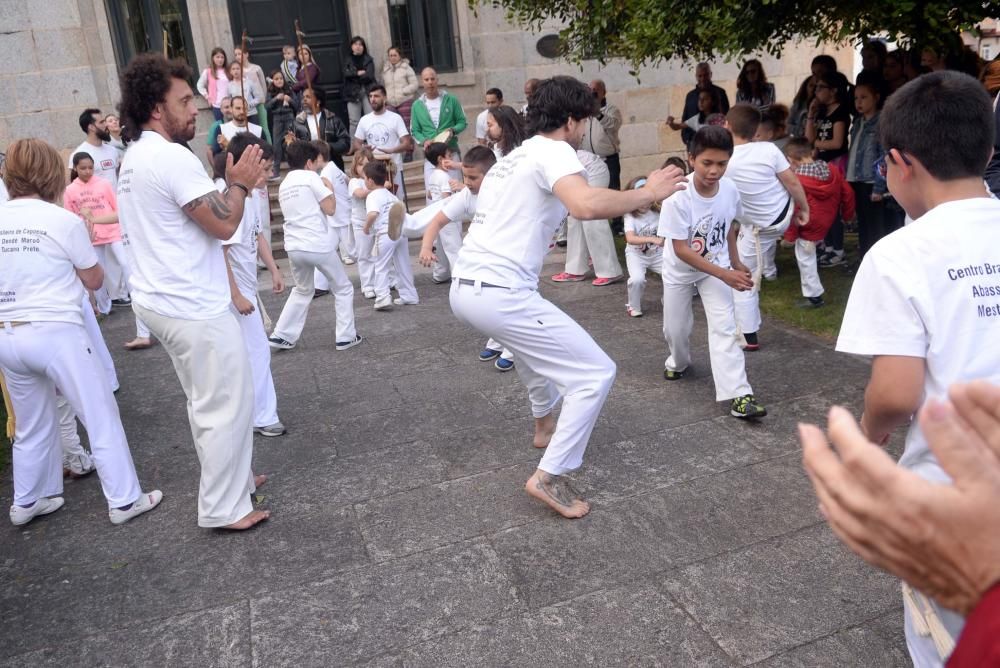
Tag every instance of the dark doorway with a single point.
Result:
(270, 24)
(138, 26)
(423, 30)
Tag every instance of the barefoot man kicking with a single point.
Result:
(522, 201)
(176, 220)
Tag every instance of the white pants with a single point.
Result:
(805, 256)
(638, 264)
(141, 331)
(343, 243)
(393, 255)
(211, 364)
(115, 249)
(265, 401)
(100, 347)
(729, 369)
(115, 275)
(414, 224)
(748, 301)
(363, 249)
(36, 359)
(593, 239)
(74, 457)
(293, 315)
(493, 344)
(449, 242)
(555, 357)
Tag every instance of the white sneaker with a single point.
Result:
(146, 502)
(399, 301)
(43, 506)
(397, 213)
(347, 260)
(383, 304)
(369, 293)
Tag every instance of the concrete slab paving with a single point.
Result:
(401, 535)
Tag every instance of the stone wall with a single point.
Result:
(58, 60)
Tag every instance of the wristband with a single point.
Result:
(236, 184)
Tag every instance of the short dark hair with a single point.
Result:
(481, 157)
(87, 117)
(144, 84)
(377, 86)
(376, 171)
(744, 119)
(266, 150)
(435, 152)
(944, 120)
(322, 147)
(711, 137)
(676, 161)
(798, 148)
(78, 157)
(557, 100)
(240, 143)
(219, 165)
(495, 92)
(825, 61)
(299, 152)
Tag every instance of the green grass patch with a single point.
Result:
(778, 298)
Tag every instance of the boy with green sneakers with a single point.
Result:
(698, 225)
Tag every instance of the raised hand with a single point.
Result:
(665, 182)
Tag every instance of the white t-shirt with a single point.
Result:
(517, 214)
(644, 225)
(106, 160)
(177, 269)
(357, 203)
(342, 215)
(703, 223)
(306, 226)
(481, 124)
(383, 131)
(230, 129)
(932, 290)
(438, 185)
(243, 250)
(460, 206)
(379, 201)
(41, 247)
(754, 168)
(434, 108)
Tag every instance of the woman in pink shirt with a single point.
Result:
(93, 199)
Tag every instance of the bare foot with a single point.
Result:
(138, 343)
(259, 480)
(556, 494)
(544, 428)
(249, 520)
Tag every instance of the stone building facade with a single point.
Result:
(66, 55)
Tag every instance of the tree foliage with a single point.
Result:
(648, 31)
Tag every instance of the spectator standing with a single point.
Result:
(255, 74)
(401, 85)
(359, 74)
(493, 99)
(752, 86)
(703, 79)
(213, 84)
(609, 117)
(283, 105)
(315, 121)
(308, 73)
(433, 113)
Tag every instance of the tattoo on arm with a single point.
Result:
(215, 201)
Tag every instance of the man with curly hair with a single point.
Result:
(175, 221)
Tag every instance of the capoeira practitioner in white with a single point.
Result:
(176, 220)
(342, 231)
(772, 197)
(644, 251)
(523, 200)
(44, 347)
(241, 252)
(591, 239)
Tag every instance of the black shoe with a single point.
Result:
(810, 302)
(561, 244)
(344, 345)
(751, 340)
(121, 302)
(320, 293)
(674, 375)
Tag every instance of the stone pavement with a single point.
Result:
(401, 535)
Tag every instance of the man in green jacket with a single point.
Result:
(434, 112)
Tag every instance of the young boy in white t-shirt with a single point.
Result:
(772, 199)
(926, 299)
(698, 225)
(305, 204)
(340, 222)
(384, 222)
(242, 251)
(644, 249)
(439, 188)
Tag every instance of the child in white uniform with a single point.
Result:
(305, 204)
(383, 224)
(644, 251)
(362, 242)
(698, 226)
(925, 304)
(340, 222)
(772, 198)
(43, 345)
(523, 200)
(242, 251)
(439, 188)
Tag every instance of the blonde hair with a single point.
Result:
(33, 167)
(365, 154)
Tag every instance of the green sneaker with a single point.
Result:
(673, 375)
(747, 407)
